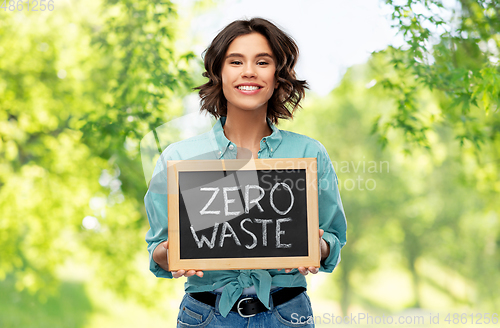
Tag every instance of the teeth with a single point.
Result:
(248, 88)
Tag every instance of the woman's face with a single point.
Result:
(248, 69)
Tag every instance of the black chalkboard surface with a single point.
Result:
(243, 214)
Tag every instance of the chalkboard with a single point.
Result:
(243, 214)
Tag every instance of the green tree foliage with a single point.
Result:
(454, 51)
(79, 88)
(137, 49)
(69, 307)
(405, 210)
(47, 175)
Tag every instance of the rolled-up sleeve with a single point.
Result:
(331, 212)
(157, 211)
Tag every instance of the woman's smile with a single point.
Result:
(249, 88)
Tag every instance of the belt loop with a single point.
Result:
(271, 292)
(217, 300)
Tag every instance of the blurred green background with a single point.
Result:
(413, 134)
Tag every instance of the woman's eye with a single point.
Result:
(237, 62)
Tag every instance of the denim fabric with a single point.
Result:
(294, 313)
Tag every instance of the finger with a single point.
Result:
(288, 270)
(303, 270)
(165, 244)
(199, 274)
(321, 232)
(178, 274)
(190, 273)
(313, 270)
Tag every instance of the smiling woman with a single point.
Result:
(273, 49)
(252, 74)
(251, 84)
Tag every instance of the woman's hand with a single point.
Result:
(160, 256)
(324, 250)
(188, 273)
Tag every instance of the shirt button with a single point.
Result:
(231, 147)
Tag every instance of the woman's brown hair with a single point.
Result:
(285, 100)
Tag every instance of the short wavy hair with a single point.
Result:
(285, 99)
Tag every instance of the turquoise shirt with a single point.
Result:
(214, 145)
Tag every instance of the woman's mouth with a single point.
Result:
(248, 89)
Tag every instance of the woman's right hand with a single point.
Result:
(160, 256)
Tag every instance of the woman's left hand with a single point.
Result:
(325, 251)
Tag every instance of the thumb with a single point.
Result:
(165, 244)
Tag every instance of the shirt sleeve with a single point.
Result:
(331, 212)
(157, 212)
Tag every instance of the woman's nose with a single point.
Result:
(249, 71)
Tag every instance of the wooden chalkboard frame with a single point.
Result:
(174, 259)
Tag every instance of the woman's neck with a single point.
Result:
(246, 128)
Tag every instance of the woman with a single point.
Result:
(250, 67)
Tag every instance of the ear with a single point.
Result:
(276, 85)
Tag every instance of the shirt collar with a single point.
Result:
(272, 141)
(220, 137)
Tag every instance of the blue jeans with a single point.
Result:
(294, 313)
